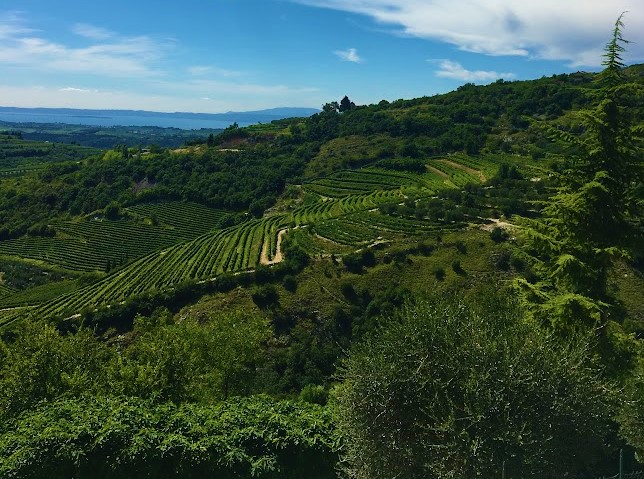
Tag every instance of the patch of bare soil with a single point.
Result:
(472, 171)
(497, 223)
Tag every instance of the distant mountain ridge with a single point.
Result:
(232, 116)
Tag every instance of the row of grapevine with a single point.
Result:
(333, 208)
(367, 226)
(5, 291)
(86, 247)
(187, 219)
(459, 177)
(9, 315)
(488, 166)
(349, 182)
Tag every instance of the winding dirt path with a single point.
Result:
(278, 255)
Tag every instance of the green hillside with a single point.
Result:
(471, 260)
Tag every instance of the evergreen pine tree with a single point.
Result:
(595, 215)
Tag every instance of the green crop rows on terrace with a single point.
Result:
(487, 166)
(188, 220)
(348, 219)
(235, 248)
(350, 182)
(89, 245)
(4, 291)
(38, 294)
(367, 226)
(457, 176)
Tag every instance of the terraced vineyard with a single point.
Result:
(356, 182)
(358, 229)
(89, 245)
(454, 173)
(342, 208)
(187, 220)
(235, 248)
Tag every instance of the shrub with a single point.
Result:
(265, 296)
(290, 283)
(498, 235)
(314, 394)
(457, 268)
(101, 438)
(448, 390)
(348, 291)
(502, 261)
(439, 272)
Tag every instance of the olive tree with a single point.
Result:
(448, 390)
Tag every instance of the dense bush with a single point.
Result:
(105, 437)
(449, 390)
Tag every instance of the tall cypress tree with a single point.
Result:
(595, 215)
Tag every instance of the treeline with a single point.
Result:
(107, 137)
(17, 152)
(469, 119)
(235, 180)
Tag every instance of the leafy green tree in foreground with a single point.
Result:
(187, 361)
(105, 437)
(595, 215)
(446, 390)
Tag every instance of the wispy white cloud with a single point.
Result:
(78, 90)
(456, 71)
(92, 32)
(549, 29)
(12, 24)
(209, 70)
(215, 88)
(107, 55)
(349, 55)
(100, 68)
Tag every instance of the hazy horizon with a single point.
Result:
(248, 55)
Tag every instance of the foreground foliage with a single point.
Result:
(103, 437)
(450, 390)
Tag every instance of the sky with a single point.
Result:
(237, 55)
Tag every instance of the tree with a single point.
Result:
(331, 107)
(346, 104)
(113, 210)
(191, 361)
(41, 365)
(449, 390)
(631, 416)
(593, 217)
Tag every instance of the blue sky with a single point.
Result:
(222, 55)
